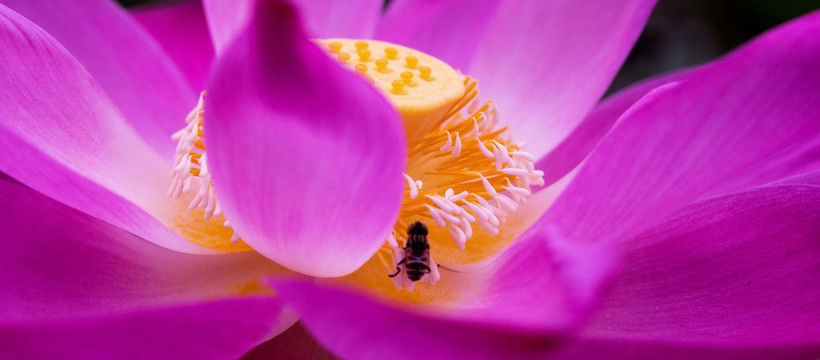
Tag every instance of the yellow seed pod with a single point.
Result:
(420, 102)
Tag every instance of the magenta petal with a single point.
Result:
(543, 281)
(294, 343)
(222, 329)
(520, 304)
(58, 264)
(567, 155)
(182, 31)
(76, 287)
(226, 19)
(353, 19)
(355, 326)
(736, 114)
(647, 350)
(138, 77)
(546, 63)
(61, 136)
(307, 158)
(322, 18)
(793, 162)
(436, 26)
(735, 270)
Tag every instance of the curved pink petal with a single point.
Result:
(60, 135)
(355, 19)
(546, 63)
(59, 263)
(518, 305)
(294, 343)
(226, 19)
(447, 29)
(182, 31)
(647, 350)
(730, 271)
(307, 158)
(130, 66)
(356, 326)
(692, 137)
(575, 147)
(82, 286)
(793, 162)
(223, 329)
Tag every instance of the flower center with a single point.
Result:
(463, 169)
(464, 175)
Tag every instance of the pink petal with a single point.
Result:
(322, 18)
(450, 30)
(353, 19)
(800, 159)
(74, 285)
(307, 158)
(648, 350)
(221, 329)
(61, 136)
(731, 271)
(546, 63)
(355, 326)
(736, 114)
(294, 343)
(60, 263)
(570, 152)
(518, 305)
(130, 66)
(182, 31)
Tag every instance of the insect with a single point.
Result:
(417, 261)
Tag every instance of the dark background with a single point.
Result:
(683, 33)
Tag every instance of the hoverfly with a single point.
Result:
(417, 261)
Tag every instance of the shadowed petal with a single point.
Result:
(222, 329)
(306, 157)
(546, 63)
(567, 155)
(294, 343)
(322, 18)
(726, 118)
(61, 136)
(730, 271)
(182, 31)
(130, 66)
(447, 29)
(603, 349)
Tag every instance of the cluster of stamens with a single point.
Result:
(190, 168)
(471, 173)
(463, 169)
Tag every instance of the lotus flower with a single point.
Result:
(679, 217)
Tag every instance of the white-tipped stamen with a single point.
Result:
(457, 146)
(190, 167)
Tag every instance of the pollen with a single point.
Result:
(465, 175)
